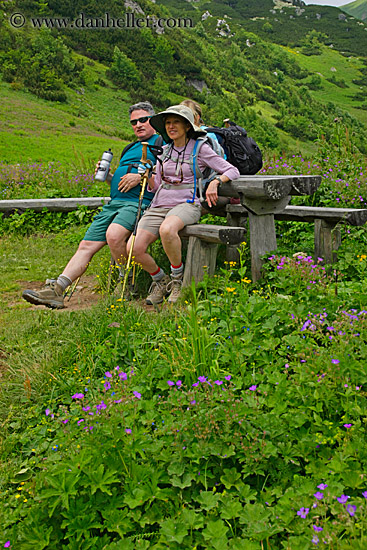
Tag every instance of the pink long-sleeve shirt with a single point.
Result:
(168, 198)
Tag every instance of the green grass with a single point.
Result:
(17, 263)
(33, 129)
(347, 69)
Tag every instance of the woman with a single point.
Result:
(175, 203)
(219, 209)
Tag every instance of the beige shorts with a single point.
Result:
(154, 217)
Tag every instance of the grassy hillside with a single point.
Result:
(285, 22)
(357, 9)
(287, 97)
(340, 77)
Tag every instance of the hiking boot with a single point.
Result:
(175, 287)
(52, 295)
(157, 291)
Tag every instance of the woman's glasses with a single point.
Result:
(142, 119)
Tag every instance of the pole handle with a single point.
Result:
(144, 153)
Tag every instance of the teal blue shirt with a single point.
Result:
(132, 156)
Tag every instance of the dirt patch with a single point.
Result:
(84, 296)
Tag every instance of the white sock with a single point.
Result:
(64, 281)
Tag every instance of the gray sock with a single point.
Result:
(64, 281)
(158, 276)
(177, 271)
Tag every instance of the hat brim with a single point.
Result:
(158, 123)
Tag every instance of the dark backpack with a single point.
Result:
(241, 150)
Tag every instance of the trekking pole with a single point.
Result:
(144, 180)
(72, 289)
(109, 277)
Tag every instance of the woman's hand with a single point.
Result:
(212, 192)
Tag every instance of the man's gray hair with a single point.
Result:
(143, 106)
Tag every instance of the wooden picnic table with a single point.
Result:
(263, 197)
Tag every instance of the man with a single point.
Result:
(114, 224)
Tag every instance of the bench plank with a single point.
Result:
(214, 233)
(351, 216)
(270, 187)
(54, 205)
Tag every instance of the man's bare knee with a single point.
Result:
(90, 246)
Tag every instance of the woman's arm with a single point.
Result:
(225, 170)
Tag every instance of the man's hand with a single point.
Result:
(109, 175)
(128, 181)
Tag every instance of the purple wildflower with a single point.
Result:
(77, 396)
(303, 512)
(351, 509)
(107, 386)
(315, 539)
(218, 382)
(335, 361)
(108, 374)
(253, 388)
(347, 425)
(128, 430)
(194, 403)
(317, 528)
(195, 384)
(322, 486)
(343, 499)
(170, 383)
(86, 408)
(7, 544)
(202, 379)
(364, 494)
(137, 394)
(123, 375)
(318, 495)
(118, 401)
(47, 412)
(228, 377)
(179, 383)
(80, 421)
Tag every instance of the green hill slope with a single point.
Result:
(357, 9)
(285, 22)
(286, 96)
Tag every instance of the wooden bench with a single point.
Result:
(202, 248)
(203, 239)
(54, 205)
(327, 221)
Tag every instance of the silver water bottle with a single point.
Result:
(104, 166)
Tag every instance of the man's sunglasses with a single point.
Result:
(142, 119)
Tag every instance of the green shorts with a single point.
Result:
(121, 212)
